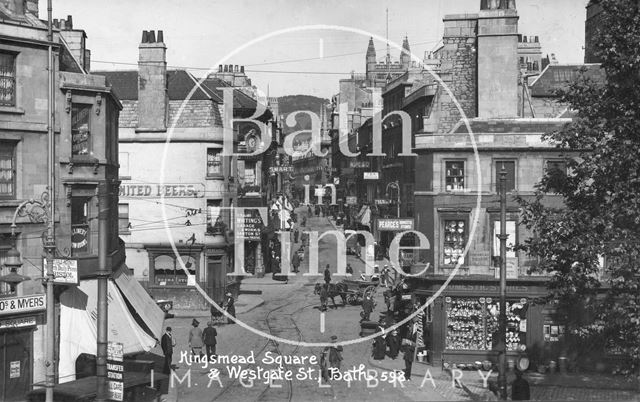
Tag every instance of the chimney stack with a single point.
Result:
(498, 64)
(152, 83)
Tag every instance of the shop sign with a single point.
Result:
(115, 370)
(280, 169)
(336, 180)
(14, 369)
(64, 271)
(17, 322)
(352, 200)
(382, 201)
(512, 269)
(248, 226)
(370, 175)
(400, 224)
(359, 164)
(79, 238)
(178, 190)
(22, 304)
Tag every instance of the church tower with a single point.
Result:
(405, 55)
(371, 60)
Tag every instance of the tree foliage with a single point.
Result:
(601, 192)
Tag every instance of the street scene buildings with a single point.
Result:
(453, 219)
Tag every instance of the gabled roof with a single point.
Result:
(240, 100)
(558, 76)
(179, 82)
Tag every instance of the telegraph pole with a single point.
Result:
(502, 363)
(50, 243)
(103, 278)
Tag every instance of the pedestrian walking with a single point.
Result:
(309, 210)
(195, 339)
(384, 276)
(295, 262)
(209, 337)
(331, 360)
(296, 234)
(324, 297)
(520, 388)
(367, 307)
(327, 275)
(379, 348)
(408, 359)
(393, 341)
(229, 306)
(167, 343)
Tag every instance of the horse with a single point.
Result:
(335, 289)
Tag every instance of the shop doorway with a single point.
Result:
(15, 355)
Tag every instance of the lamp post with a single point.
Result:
(395, 184)
(502, 363)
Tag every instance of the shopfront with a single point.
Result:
(19, 318)
(461, 326)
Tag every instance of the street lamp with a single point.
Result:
(395, 184)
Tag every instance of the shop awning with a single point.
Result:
(78, 325)
(142, 303)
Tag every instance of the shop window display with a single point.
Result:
(472, 323)
(454, 241)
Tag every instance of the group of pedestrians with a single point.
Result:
(201, 342)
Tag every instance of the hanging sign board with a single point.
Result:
(64, 271)
(370, 175)
(352, 200)
(359, 164)
(380, 201)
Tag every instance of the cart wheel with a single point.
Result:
(370, 290)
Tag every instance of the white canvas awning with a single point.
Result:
(78, 325)
(142, 303)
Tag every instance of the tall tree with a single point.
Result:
(601, 192)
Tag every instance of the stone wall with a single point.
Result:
(458, 70)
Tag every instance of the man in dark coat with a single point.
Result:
(209, 337)
(327, 275)
(393, 341)
(229, 305)
(167, 343)
(379, 348)
(408, 360)
(367, 307)
(295, 262)
(330, 360)
(296, 234)
(520, 388)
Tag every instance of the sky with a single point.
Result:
(199, 34)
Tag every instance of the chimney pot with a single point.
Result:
(524, 38)
(152, 36)
(55, 22)
(225, 68)
(535, 39)
(220, 68)
(69, 22)
(160, 36)
(230, 68)
(145, 37)
(242, 69)
(63, 24)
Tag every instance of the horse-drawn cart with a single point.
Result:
(356, 290)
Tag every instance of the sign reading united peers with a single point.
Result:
(248, 226)
(180, 190)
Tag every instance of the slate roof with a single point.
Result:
(557, 76)
(179, 82)
(240, 99)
